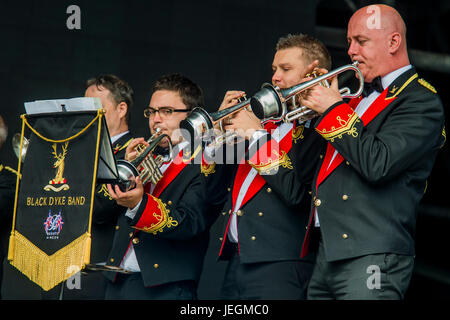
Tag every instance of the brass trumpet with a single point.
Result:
(16, 146)
(199, 122)
(144, 165)
(270, 101)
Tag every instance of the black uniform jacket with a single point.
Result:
(272, 219)
(170, 231)
(368, 198)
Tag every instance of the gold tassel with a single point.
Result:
(48, 271)
(11, 247)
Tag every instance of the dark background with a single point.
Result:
(221, 45)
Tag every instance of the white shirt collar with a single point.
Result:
(118, 136)
(390, 77)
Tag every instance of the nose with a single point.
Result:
(352, 49)
(276, 78)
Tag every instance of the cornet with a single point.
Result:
(199, 122)
(144, 165)
(269, 103)
(16, 146)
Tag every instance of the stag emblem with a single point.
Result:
(59, 166)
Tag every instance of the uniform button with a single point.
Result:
(269, 190)
(320, 156)
(229, 189)
(306, 228)
(169, 203)
(345, 197)
(117, 227)
(310, 192)
(260, 214)
(345, 236)
(156, 266)
(347, 163)
(220, 239)
(136, 240)
(224, 213)
(317, 202)
(240, 213)
(253, 238)
(131, 234)
(111, 260)
(229, 211)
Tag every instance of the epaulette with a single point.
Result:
(427, 85)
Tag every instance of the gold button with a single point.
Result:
(317, 202)
(136, 240)
(269, 190)
(306, 228)
(345, 236)
(320, 156)
(240, 213)
(131, 234)
(345, 197)
(221, 239)
(169, 203)
(253, 238)
(260, 214)
(347, 163)
(310, 192)
(156, 266)
(229, 189)
(112, 259)
(117, 227)
(224, 213)
(229, 211)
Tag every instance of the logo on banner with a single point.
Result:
(53, 225)
(58, 183)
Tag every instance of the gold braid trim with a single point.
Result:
(347, 127)
(105, 192)
(297, 133)
(208, 169)
(265, 168)
(164, 220)
(48, 271)
(11, 170)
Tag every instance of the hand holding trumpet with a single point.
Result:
(244, 123)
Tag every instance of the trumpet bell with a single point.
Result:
(267, 103)
(197, 124)
(16, 146)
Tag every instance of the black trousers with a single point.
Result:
(131, 287)
(278, 280)
(384, 276)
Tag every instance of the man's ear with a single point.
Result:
(122, 108)
(395, 42)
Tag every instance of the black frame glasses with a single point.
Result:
(163, 111)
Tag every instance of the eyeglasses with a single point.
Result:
(164, 112)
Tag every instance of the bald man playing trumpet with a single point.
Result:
(381, 148)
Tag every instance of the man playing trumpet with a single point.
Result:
(380, 150)
(266, 194)
(161, 240)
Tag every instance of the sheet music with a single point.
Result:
(62, 105)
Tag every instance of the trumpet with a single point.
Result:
(270, 102)
(16, 146)
(144, 165)
(199, 122)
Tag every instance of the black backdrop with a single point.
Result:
(221, 45)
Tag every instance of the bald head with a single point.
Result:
(377, 39)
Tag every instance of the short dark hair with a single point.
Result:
(312, 48)
(191, 94)
(120, 90)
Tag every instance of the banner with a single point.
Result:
(51, 232)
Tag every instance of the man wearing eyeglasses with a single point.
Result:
(161, 240)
